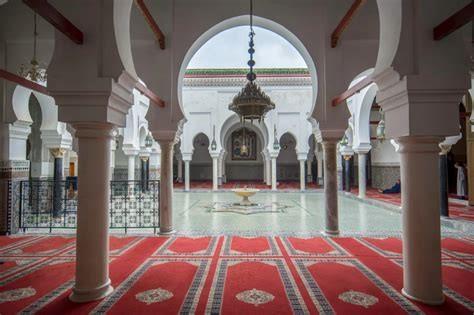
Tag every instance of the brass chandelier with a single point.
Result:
(33, 71)
(251, 103)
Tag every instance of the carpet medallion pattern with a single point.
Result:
(231, 275)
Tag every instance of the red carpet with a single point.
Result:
(231, 275)
(456, 210)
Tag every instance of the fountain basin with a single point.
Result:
(245, 193)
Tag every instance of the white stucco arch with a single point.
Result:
(241, 21)
(390, 21)
(360, 106)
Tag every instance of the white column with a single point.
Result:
(214, 172)
(187, 180)
(166, 186)
(309, 175)
(330, 186)
(268, 165)
(420, 218)
(274, 173)
(92, 244)
(113, 148)
(131, 167)
(180, 170)
(320, 172)
(302, 175)
(362, 174)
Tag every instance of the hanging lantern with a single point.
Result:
(149, 141)
(251, 103)
(33, 71)
(276, 143)
(381, 127)
(213, 143)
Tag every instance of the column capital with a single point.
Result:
(57, 152)
(93, 130)
(419, 144)
(405, 101)
(187, 156)
(362, 148)
(101, 100)
(162, 136)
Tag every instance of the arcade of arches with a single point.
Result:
(127, 183)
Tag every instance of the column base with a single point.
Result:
(428, 302)
(331, 233)
(83, 296)
(167, 232)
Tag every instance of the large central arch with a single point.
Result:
(242, 21)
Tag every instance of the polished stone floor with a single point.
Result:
(291, 213)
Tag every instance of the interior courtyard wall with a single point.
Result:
(206, 105)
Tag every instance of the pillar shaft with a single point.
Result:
(419, 169)
(187, 180)
(274, 173)
(180, 171)
(320, 163)
(131, 167)
(347, 173)
(362, 175)
(443, 185)
(166, 187)
(330, 186)
(268, 166)
(214, 173)
(302, 175)
(92, 266)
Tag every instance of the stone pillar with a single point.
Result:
(166, 186)
(187, 171)
(274, 172)
(214, 157)
(220, 165)
(320, 174)
(443, 184)
(58, 187)
(113, 148)
(180, 170)
(302, 175)
(419, 170)
(330, 186)
(92, 244)
(268, 166)
(309, 174)
(131, 167)
(144, 172)
(362, 174)
(347, 173)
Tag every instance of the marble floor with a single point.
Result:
(281, 213)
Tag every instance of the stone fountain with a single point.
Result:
(245, 193)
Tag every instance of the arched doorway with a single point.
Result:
(201, 163)
(244, 161)
(287, 161)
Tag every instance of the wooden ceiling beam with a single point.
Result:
(150, 94)
(151, 22)
(23, 82)
(345, 22)
(55, 18)
(454, 22)
(353, 90)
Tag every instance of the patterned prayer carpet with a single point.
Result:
(230, 275)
